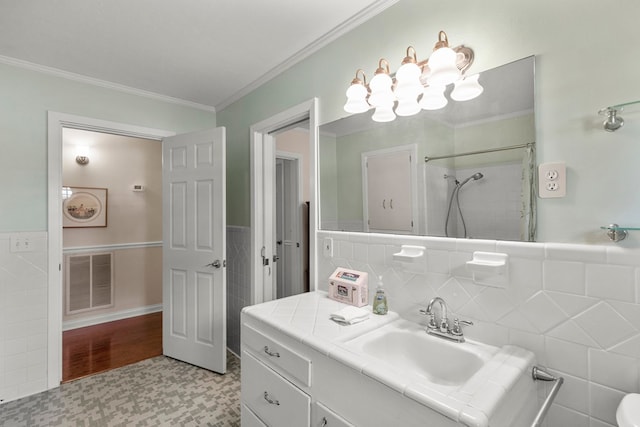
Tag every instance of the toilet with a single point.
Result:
(628, 413)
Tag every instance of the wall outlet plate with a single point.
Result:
(20, 243)
(552, 180)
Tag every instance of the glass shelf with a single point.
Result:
(618, 228)
(624, 105)
(617, 233)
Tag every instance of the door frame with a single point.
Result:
(55, 123)
(262, 147)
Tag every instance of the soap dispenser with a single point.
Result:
(380, 300)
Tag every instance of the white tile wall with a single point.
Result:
(586, 329)
(501, 185)
(576, 307)
(23, 309)
(23, 317)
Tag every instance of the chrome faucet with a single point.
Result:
(441, 329)
(444, 321)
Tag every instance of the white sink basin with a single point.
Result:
(406, 347)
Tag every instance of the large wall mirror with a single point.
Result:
(466, 170)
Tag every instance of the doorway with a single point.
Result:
(56, 123)
(264, 248)
(110, 249)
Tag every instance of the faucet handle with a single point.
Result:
(457, 329)
(432, 318)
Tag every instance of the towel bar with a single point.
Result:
(542, 375)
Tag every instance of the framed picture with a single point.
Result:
(84, 207)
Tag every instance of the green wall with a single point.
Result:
(25, 98)
(579, 69)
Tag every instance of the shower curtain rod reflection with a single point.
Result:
(490, 150)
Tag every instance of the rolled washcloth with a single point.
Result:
(349, 315)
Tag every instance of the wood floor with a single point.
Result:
(98, 348)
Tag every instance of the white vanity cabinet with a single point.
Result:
(286, 383)
(325, 417)
(300, 369)
(277, 382)
(271, 397)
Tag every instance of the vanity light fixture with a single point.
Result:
(417, 85)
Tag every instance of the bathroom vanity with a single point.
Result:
(299, 368)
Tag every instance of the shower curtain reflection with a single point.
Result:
(493, 199)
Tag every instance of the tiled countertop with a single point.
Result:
(305, 318)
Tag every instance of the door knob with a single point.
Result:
(215, 264)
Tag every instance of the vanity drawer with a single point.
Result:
(274, 399)
(325, 417)
(249, 419)
(276, 354)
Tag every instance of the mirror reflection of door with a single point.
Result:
(292, 213)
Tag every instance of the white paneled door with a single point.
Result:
(194, 248)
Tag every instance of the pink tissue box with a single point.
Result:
(349, 286)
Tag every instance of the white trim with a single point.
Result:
(110, 317)
(259, 134)
(55, 123)
(511, 115)
(115, 247)
(29, 234)
(335, 33)
(332, 35)
(101, 83)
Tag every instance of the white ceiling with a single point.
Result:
(208, 52)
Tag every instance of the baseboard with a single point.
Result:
(110, 317)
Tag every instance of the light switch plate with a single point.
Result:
(327, 247)
(552, 180)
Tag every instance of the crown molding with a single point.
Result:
(338, 31)
(101, 83)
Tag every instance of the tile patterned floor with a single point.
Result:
(155, 392)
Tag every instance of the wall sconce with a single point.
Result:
(417, 85)
(82, 155)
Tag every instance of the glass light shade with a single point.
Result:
(443, 67)
(467, 88)
(408, 73)
(383, 114)
(433, 98)
(356, 99)
(408, 107)
(381, 93)
(408, 79)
